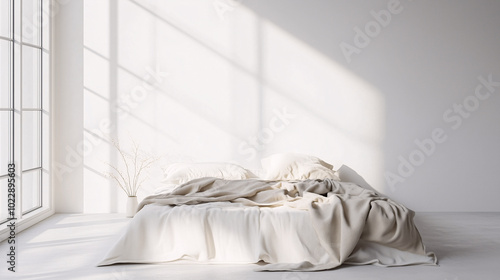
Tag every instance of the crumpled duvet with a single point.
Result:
(340, 218)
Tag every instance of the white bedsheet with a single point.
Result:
(224, 232)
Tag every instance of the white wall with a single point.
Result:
(427, 58)
(235, 81)
(67, 55)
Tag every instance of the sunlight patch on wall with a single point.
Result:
(188, 86)
(339, 117)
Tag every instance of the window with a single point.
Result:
(24, 106)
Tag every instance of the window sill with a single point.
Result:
(26, 222)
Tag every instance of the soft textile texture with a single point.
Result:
(180, 173)
(329, 220)
(164, 188)
(293, 166)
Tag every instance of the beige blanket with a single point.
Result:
(342, 213)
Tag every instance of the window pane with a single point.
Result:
(16, 81)
(46, 25)
(45, 81)
(5, 68)
(3, 199)
(30, 190)
(45, 188)
(31, 77)
(4, 143)
(17, 19)
(45, 140)
(31, 22)
(31, 139)
(5, 18)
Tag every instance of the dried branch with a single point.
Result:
(127, 181)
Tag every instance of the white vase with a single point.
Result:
(131, 207)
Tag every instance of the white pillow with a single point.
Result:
(165, 188)
(292, 166)
(180, 173)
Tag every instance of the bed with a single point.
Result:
(300, 217)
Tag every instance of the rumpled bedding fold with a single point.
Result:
(342, 214)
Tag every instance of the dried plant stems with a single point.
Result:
(130, 182)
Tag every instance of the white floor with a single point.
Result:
(68, 247)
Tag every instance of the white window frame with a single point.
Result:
(16, 109)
